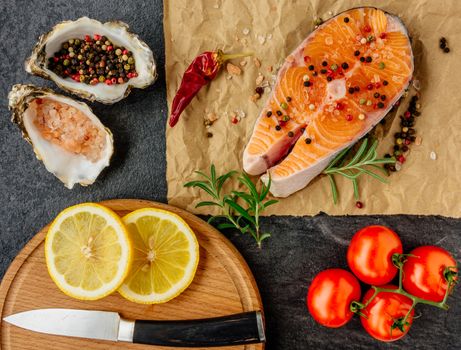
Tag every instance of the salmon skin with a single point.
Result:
(331, 91)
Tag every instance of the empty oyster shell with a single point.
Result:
(118, 33)
(65, 134)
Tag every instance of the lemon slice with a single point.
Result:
(88, 251)
(166, 254)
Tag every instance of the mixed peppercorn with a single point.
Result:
(406, 136)
(443, 44)
(93, 60)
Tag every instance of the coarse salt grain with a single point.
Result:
(363, 41)
(398, 166)
(305, 77)
(311, 106)
(246, 31)
(433, 155)
(362, 116)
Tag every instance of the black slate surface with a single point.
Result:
(300, 247)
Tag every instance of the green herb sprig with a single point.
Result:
(240, 209)
(364, 161)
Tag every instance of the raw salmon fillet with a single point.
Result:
(331, 91)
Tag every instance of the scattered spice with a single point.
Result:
(255, 97)
(443, 44)
(259, 79)
(233, 69)
(209, 134)
(318, 21)
(406, 136)
(203, 69)
(259, 90)
(308, 140)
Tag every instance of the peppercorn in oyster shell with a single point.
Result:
(118, 34)
(65, 134)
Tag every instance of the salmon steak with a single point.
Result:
(330, 92)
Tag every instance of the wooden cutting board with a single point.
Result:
(223, 285)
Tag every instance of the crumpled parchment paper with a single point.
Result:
(423, 186)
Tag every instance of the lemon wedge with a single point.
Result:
(165, 256)
(88, 251)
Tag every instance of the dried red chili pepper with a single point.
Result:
(201, 71)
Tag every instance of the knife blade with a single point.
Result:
(237, 329)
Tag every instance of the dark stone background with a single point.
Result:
(300, 247)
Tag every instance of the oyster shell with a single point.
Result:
(118, 33)
(65, 134)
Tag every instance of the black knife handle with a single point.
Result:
(245, 328)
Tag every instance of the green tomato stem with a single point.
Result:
(399, 260)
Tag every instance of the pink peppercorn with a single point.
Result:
(349, 117)
(401, 159)
(383, 35)
(407, 114)
(370, 86)
(97, 37)
(367, 28)
(359, 204)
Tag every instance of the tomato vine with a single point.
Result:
(450, 274)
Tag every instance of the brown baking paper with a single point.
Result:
(423, 186)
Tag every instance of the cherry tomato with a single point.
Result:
(423, 272)
(330, 296)
(370, 254)
(383, 312)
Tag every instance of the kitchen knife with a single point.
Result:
(244, 328)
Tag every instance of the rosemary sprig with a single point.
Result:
(364, 161)
(243, 216)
